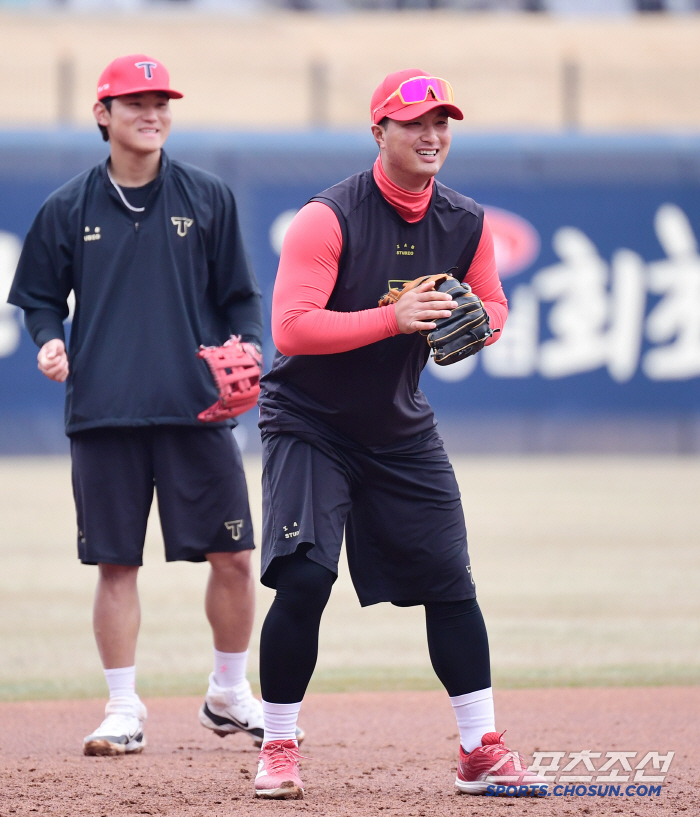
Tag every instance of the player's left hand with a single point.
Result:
(236, 368)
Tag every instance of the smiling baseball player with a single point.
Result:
(153, 252)
(349, 440)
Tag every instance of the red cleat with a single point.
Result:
(494, 769)
(278, 771)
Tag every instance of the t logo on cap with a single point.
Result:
(147, 68)
(135, 74)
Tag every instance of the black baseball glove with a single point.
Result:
(461, 335)
(467, 329)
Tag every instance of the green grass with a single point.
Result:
(370, 679)
(583, 581)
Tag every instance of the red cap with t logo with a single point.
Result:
(409, 94)
(135, 74)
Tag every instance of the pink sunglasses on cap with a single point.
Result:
(417, 89)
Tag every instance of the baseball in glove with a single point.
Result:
(461, 335)
(236, 368)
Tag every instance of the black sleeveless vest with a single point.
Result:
(371, 394)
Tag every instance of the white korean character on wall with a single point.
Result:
(675, 320)
(516, 353)
(598, 310)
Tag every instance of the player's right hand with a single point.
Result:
(421, 307)
(53, 360)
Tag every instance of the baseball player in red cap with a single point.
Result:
(350, 447)
(153, 251)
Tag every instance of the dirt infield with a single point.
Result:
(370, 753)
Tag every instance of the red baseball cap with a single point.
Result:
(428, 93)
(135, 74)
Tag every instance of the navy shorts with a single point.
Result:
(199, 479)
(400, 511)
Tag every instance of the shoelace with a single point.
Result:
(116, 725)
(248, 706)
(501, 749)
(280, 756)
(493, 748)
(245, 700)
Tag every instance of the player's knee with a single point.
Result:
(117, 584)
(233, 568)
(452, 610)
(303, 583)
(118, 575)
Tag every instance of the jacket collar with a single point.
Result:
(163, 172)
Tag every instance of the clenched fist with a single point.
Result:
(53, 360)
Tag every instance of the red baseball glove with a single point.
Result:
(236, 368)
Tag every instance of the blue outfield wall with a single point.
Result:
(596, 239)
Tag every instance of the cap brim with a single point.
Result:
(146, 89)
(408, 112)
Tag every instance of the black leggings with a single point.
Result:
(457, 640)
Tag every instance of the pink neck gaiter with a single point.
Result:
(410, 206)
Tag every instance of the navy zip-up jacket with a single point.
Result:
(150, 288)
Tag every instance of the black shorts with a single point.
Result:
(197, 473)
(400, 511)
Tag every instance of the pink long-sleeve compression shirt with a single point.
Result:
(308, 269)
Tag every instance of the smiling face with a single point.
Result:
(137, 123)
(413, 151)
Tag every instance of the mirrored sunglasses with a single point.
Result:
(417, 89)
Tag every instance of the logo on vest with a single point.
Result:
(96, 236)
(290, 534)
(235, 527)
(182, 224)
(407, 249)
(147, 68)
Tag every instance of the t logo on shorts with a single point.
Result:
(235, 526)
(147, 68)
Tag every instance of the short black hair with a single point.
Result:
(383, 122)
(107, 102)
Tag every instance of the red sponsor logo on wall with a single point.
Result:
(516, 242)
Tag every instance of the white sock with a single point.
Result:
(229, 668)
(475, 717)
(121, 682)
(280, 721)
